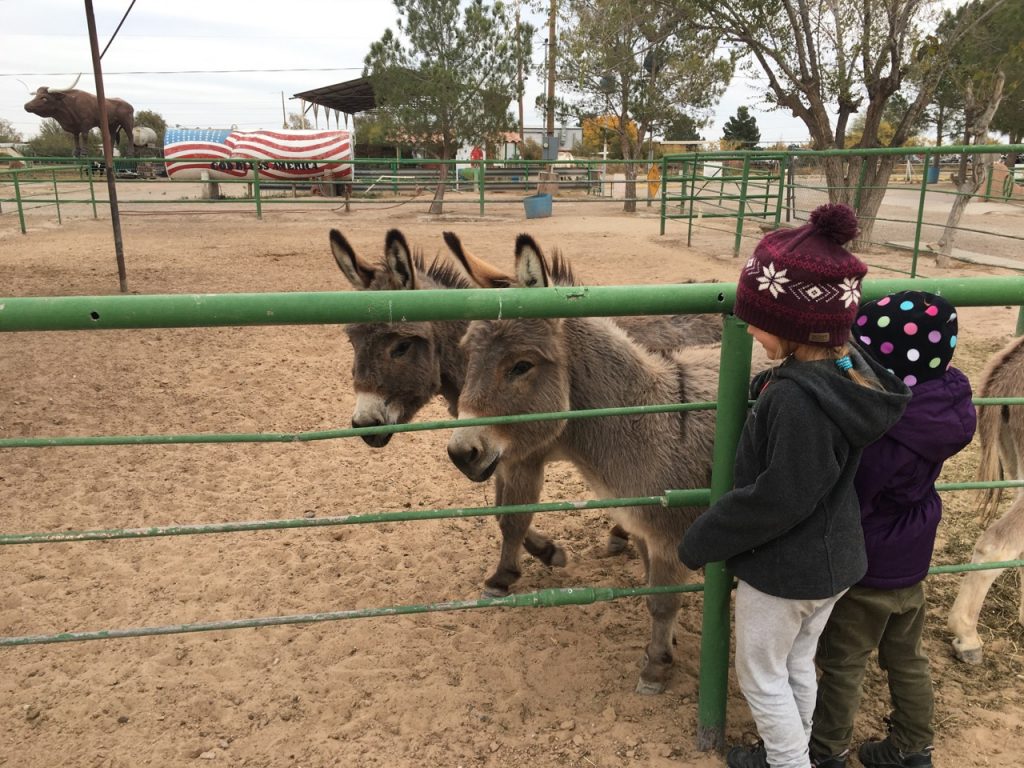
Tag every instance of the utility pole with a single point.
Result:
(552, 150)
(108, 148)
(284, 117)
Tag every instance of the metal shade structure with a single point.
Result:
(350, 97)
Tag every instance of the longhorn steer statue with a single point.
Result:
(78, 112)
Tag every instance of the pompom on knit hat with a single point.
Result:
(912, 333)
(801, 284)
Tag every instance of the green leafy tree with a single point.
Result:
(992, 46)
(148, 119)
(447, 76)
(741, 131)
(827, 60)
(54, 141)
(7, 132)
(1008, 21)
(530, 150)
(641, 62)
(683, 128)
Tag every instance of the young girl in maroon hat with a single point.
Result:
(790, 529)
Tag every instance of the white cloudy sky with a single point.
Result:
(187, 59)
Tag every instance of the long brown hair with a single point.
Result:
(789, 349)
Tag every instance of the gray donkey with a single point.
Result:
(399, 367)
(1001, 437)
(543, 365)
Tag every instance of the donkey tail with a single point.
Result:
(999, 454)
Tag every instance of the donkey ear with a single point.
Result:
(480, 272)
(399, 260)
(358, 272)
(531, 267)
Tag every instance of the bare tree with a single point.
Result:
(825, 60)
(978, 74)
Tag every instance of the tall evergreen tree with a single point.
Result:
(641, 62)
(741, 130)
(446, 77)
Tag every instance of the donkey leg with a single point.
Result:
(618, 540)
(663, 568)
(519, 485)
(1003, 540)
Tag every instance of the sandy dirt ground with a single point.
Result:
(482, 688)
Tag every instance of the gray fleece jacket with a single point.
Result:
(791, 525)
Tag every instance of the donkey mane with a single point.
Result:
(444, 273)
(561, 269)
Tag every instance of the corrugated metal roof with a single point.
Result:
(352, 96)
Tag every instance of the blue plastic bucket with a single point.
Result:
(933, 173)
(537, 206)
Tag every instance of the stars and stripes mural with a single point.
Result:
(287, 155)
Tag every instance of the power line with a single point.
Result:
(118, 28)
(183, 72)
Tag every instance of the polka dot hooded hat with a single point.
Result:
(912, 333)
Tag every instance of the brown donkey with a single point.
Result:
(1001, 438)
(542, 365)
(399, 367)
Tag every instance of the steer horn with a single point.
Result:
(65, 90)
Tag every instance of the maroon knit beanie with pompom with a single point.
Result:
(801, 284)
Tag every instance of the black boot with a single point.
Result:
(884, 754)
(752, 756)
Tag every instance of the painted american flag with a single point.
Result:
(287, 155)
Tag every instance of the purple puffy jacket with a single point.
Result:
(900, 509)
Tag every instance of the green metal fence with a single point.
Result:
(19, 314)
(703, 188)
(53, 182)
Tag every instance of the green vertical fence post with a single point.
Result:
(741, 207)
(918, 225)
(256, 188)
(56, 197)
(733, 386)
(92, 194)
(664, 198)
(17, 199)
(480, 173)
(697, 163)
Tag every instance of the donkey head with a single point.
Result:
(396, 368)
(512, 366)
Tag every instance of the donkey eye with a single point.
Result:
(520, 368)
(400, 348)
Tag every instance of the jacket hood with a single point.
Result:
(863, 414)
(938, 426)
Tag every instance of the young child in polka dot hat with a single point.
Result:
(913, 334)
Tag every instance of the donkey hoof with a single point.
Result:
(649, 687)
(972, 656)
(558, 558)
(616, 545)
(492, 592)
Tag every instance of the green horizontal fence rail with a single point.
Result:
(24, 314)
(76, 313)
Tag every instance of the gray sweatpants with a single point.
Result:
(776, 640)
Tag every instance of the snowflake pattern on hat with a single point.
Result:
(773, 280)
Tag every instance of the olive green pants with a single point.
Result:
(865, 619)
